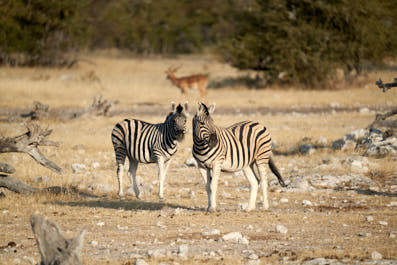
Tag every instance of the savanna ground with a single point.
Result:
(118, 232)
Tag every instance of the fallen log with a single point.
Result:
(29, 142)
(6, 168)
(53, 246)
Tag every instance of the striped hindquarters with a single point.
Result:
(245, 143)
(135, 139)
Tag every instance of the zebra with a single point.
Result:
(240, 146)
(144, 142)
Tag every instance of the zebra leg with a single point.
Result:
(212, 186)
(204, 172)
(263, 176)
(132, 174)
(249, 174)
(161, 172)
(120, 171)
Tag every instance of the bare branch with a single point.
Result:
(54, 248)
(28, 143)
(6, 168)
(386, 86)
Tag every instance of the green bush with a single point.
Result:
(305, 41)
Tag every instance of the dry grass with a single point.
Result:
(328, 229)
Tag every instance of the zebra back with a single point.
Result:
(238, 145)
(145, 142)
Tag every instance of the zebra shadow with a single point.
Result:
(376, 193)
(127, 205)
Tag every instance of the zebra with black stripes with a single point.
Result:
(144, 142)
(243, 146)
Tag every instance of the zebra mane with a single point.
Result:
(179, 109)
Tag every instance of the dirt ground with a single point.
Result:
(348, 225)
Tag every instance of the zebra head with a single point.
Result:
(204, 132)
(177, 121)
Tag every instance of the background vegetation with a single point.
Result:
(287, 41)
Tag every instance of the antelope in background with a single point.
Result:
(192, 81)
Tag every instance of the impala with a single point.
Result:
(192, 81)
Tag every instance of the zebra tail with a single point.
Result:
(276, 172)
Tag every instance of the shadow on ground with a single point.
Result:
(127, 205)
(376, 193)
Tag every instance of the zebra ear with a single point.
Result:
(172, 106)
(212, 108)
(213, 140)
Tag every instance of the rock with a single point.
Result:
(242, 206)
(78, 168)
(101, 187)
(253, 256)
(307, 203)
(42, 179)
(156, 253)
(369, 218)
(212, 232)
(94, 243)
(338, 144)
(307, 149)
(281, 229)
(95, 165)
(283, 200)
(376, 255)
(233, 236)
(140, 262)
(383, 223)
(183, 251)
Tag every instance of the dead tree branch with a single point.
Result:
(99, 107)
(6, 168)
(386, 86)
(16, 185)
(39, 111)
(381, 117)
(28, 143)
(54, 248)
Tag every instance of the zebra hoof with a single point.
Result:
(211, 210)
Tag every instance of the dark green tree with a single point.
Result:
(38, 32)
(304, 41)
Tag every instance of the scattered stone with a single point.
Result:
(78, 168)
(235, 237)
(281, 229)
(376, 255)
(253, 256)
(42, 179)
(369, 218)
(156, 253)
(392, 235)
(183, 251)
(307, 203)
(392, 204)
(212, 232)
(383, 223)
(140, 262)
(95, 165)
(94, 243)
(100, 224)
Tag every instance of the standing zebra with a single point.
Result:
(143, 142)
(238, 147)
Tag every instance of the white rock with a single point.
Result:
(281, 229)
(212, 232)
(140, 262)
(253, 256)
(156, 253)
(100, 224)
(78, 168)
(376, 255)
(94, 243)
(95, 165)
(307, 203)
(233, 236)
(383, 223)
(283, 200)
(183, 250)
(392, 204)
(369, 218)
